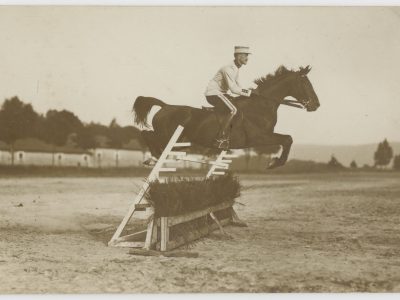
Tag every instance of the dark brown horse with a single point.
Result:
(253, 125)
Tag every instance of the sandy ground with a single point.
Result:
(306, 233)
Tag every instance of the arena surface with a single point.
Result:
(306, 233)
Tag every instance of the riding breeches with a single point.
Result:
(222, 102)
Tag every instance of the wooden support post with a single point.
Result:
(218, 223)
(164, 233)
(236, 220)
(154, 235)
(149, 235)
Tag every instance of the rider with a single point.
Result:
(226, 80)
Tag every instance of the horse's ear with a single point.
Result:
(304, 71)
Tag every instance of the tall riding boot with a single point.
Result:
(222, 142)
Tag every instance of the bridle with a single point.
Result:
(288, 102)
(295, 103)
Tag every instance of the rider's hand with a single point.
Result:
(254, 91)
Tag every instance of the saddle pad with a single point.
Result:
(208, 108)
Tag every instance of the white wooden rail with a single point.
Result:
(221, 163)
(154, 174)
(164, 223)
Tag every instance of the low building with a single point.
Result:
(33, 152)
(106, 157)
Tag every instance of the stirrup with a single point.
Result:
(222, 143)
(150, 162)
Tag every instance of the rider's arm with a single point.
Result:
(229, 76)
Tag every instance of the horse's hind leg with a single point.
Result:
(283, 140)
(286, 142)
(152, 142)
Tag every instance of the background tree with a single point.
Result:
(119, 135)
(58, 127)
(383, 154)
(61, 128)
(17, 120)
(115, 135)
(85, 138)
(353, 165)
(334, 163)
(93, 135)
(396, 162)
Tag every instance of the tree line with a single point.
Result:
(383, 156)
(19, 120)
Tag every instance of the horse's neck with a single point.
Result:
(277, 91)
(257, 103)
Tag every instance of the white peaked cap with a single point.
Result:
(242, 49)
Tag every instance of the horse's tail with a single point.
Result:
(142, 107)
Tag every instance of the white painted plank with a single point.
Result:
(154, 174)
(218, 173)
(172, 221)
(167, 170)
(177, 153)
(226, 161)
(230, 155)
(129, 244)
(183, 144)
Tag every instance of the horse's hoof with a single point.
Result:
(149, 162)
(274, 164)
(222, 144)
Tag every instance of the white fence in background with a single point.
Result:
(96, 158)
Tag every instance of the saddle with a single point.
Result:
(215, 110)
(218, 111)
(208, 108)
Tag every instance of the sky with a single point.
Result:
(94, 61)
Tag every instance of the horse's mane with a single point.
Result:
(270, 79)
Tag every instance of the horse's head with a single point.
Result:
(303, 91)
(284, 83)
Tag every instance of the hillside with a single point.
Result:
(362, 154)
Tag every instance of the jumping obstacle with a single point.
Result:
(157, 234)
(220, 163)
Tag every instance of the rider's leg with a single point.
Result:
(222, 103)
(233, 111)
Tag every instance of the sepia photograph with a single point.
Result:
(199, 149)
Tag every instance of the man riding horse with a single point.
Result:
(253, 124)
(226, 80)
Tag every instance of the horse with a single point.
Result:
(252, 126)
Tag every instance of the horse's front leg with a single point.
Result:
(277, 139)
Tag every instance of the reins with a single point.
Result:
(293, 103)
